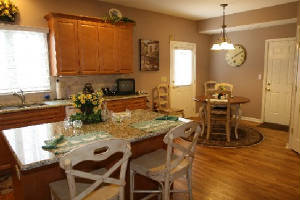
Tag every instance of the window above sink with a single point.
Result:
(24, 62)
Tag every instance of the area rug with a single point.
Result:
(247, 137)
(274, 126)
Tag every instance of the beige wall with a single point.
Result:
(245, 77)
(149, 25)
(268, 14)
(298, 13)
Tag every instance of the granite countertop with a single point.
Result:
(68, 102)
(26, 143)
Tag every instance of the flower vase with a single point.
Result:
(6, 19)
(87, 109)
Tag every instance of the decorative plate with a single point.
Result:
(114, 13)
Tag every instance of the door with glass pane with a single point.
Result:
(182, 76)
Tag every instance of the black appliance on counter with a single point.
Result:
(109, 92)
(125, 86)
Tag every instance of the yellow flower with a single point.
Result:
(95, 102)
(82, 101)
(89, 96)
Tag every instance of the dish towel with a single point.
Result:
(171, 118)
(64, 144)
(52, 144)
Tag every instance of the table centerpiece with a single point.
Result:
(89, 105)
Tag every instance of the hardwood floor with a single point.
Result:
(262, 172)
(267, 171)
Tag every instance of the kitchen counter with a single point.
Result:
(57, 103)
(26, 143)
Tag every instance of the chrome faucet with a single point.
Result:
(20, 95)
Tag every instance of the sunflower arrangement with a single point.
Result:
(89, 106)
(8, 10)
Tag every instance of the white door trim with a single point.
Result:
(267, 43)
(295, 114)
(192, 46)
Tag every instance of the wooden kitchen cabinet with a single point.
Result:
(63, 46)
(108, 49)
(31, 117)
(88, 48)
(125, 49)
(121, 105)
(86, 45)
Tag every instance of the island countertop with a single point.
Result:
(26, 143)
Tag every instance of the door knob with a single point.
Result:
(268, 83)
(268, 89)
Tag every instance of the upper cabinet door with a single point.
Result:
(66, 46)
(108, 47)
(88, 47)
(125, 49)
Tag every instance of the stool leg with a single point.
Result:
(132, 173)
(189, 180)
(166, 190)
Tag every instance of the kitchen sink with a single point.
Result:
(13, 107)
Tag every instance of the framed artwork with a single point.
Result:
(149, 55)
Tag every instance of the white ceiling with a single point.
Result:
(197, 9)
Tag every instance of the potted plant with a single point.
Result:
(8, 11)
(89, 105)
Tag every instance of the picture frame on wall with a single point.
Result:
(149, 55)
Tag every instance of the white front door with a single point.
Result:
(182, 76)
(279, 80)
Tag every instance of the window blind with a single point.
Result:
(24, 62)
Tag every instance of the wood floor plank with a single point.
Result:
(267, 171)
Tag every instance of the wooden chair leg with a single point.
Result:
(189, 180)
(52, 196)
(208, 130)
(132, 173)
(166, 191)
(228, 131)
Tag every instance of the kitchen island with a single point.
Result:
(35, 168)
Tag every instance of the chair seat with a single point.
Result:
(60, 189)
(153, 164)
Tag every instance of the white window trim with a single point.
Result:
(24, 28)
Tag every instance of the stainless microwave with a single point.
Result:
(125, 86)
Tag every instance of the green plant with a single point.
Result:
(8, 10)
(87, 118)
(115, 19)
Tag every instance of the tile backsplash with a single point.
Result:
(69, 85)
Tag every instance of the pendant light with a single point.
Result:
(223, 42)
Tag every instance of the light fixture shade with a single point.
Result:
(216, 47)
(223, 43)
(227, 46)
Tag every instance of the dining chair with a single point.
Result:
(103, 186)
(162, 100)
(219, 114)
(209, 86)
(165, 166)
(224, 86)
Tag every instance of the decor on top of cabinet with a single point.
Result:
(8, 11)
(89, 105)
(149, 55)
(115, 16)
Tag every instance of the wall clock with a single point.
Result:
(237, 56)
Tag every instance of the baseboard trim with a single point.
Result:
(251, 119)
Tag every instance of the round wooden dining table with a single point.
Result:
(235, 102)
